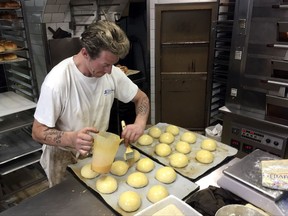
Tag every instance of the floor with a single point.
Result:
(20, 185)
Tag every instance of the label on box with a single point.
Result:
(275, 174)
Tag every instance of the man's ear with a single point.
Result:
(84, 53)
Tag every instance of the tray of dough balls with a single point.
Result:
(129, 190)
(189, 153)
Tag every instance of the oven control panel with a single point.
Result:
(247, 139)
(262, 138)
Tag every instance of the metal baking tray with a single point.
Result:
(180, 188)
(16, 144)
(194, 169)
(13, 103)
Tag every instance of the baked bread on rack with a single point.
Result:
(8, 16)
(10, 56)
(10, 45)
(123, 68)
(2, 48)
(12, 4)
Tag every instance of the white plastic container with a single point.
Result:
(171, 199)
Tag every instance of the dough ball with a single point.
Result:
(137, 155)
(189, 137)
(129, 201)
(209, 144)
(145, 165)
(166, 175)
(137, 180)
(183, 147)
(155, 132)
(204, 156)
(178, 160)
(166, 138)
(87, 172)
(145, 140)
(163, 149)
(119, 168)
(157, 193)
(106, 184)
(172, 129)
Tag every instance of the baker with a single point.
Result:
(77, 95)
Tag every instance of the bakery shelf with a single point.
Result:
(13, 103)
(19, 74)
(18, 101)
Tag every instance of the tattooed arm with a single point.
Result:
(79, 140)
(142, 108)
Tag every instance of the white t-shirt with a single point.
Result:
(71, 101)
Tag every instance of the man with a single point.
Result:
(77, 95)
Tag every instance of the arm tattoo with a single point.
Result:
(143, 107)
(52, 135)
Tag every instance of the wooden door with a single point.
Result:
(183, 55)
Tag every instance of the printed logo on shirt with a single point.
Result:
(108, 91)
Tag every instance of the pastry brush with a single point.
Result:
(129, 153)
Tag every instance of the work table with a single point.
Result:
(71, 197)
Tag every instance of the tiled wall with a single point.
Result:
(57, 14)
(152, 4)
(54, 13)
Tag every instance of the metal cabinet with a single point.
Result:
(18, 95)
(183, 47)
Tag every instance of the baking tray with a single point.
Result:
(132, 72)
(194, 169)
(180, 188)
(12, 103)
(15, 144)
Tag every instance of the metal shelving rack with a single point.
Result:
(220, 70)
(18, 98)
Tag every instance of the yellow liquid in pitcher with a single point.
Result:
(104, 151)
(101, 169)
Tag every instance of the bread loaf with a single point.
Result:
(123, 68)
(8, 16)
(2, 49)
(9, 45)
(10, 56)
(12, 4)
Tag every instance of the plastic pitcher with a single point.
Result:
(104, 150)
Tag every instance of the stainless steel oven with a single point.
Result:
(255, 115)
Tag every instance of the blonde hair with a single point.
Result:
(105, 35)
